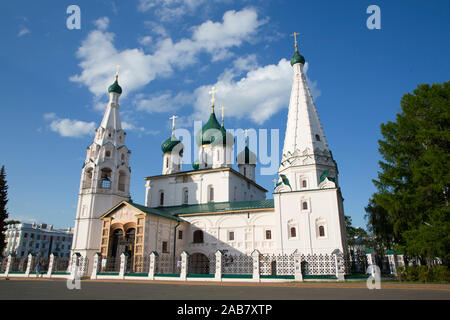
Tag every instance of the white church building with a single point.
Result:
(213, 206)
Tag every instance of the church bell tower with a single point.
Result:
(105, 177)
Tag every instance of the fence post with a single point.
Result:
(29, 263)
(74, 265)
(96, 265)
(8, 265)
(256, 274)
(392, 262)
(218, 271)
(152, 269)
(339, 263)
(298, 276)
(370, 259)
(184, 265)
(123, 265)
(51, 263)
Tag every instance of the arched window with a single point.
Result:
(108, 154)
(245, 171)
(317, 137)
(293, 232)
(161, 198)
(122, 156)
(321, 231)
(198, 236)
(304, 184)
(167, 162)
(122, 179)
(185, 196)
(305, 205)
(105, 178)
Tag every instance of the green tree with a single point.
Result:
(380, 225)
(356, 236)
(3, 211)
(414, 180)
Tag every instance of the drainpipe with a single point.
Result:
(174, 245)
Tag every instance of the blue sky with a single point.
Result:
(54, 80)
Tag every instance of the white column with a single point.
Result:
(51, 264)
(152, 267)
(96, 265)
(29, 263)
(298, 276)
(218, 272)
(255, 256)
(184, 265)
(123, 265)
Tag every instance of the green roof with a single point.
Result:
(115, 87)
(246, 157)
(297, 58)
(168, 145)
(212, 131)
(174, 212)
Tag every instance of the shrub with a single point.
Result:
(440, 273)
(423, 274)
(401, 273)
(412, 273)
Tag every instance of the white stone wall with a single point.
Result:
(223, 182)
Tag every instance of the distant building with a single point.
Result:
(25, 238)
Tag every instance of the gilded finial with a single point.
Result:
(295, 34)
(173, 122)
(117, 72)
(212, 92)
(222, 108)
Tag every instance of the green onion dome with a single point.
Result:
(213, 133)
(297, 58)
(168, 145)
(115, 87)
(196, 165)
(246, 157)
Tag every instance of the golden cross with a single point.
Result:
(295, 34)
(117, 71)
(212, 93)
(173, 122)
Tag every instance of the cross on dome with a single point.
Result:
(295, 34)
(212, 92)
(173, 122)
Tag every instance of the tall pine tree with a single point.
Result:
(3, 211)
(414, 180)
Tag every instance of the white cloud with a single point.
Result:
(161, 103)
(99, 56)
(102, 23)
(169, 10)
(23, 31)
(258, 95)
(128, 126)
(49, 116)
(70, 128)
